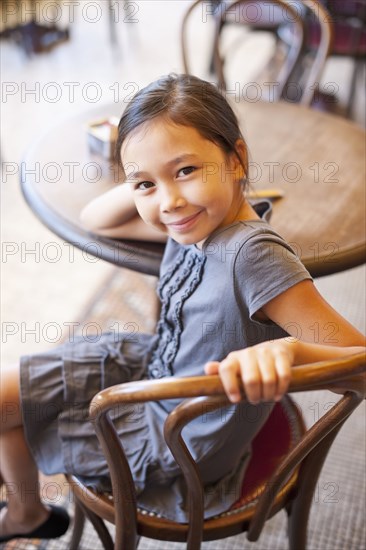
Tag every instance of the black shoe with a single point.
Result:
(55, 526)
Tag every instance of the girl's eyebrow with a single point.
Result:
(182, 158)
(171, 163)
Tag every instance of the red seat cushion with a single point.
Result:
(274, 441)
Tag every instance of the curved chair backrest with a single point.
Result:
(318, 13)
(293, 40)
(291, 483)
(269, 17)
(289, 22)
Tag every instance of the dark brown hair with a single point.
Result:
(188, 101)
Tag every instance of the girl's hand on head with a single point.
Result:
(264, 370)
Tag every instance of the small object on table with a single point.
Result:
(102, 136)
(271, 194)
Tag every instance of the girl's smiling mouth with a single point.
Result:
(185, 223)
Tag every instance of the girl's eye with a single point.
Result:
(144, 185)
(186, 170)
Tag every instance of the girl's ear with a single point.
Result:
(242, 154)
(242, 151)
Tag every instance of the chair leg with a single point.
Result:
(356, 71)
(112, 24)
(78, 527)
(100, 528)
(299, 510)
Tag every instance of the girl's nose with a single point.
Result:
(171, 200)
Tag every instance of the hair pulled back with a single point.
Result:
(188, 101)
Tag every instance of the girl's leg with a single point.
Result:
(24, 511)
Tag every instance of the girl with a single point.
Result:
(231, 292)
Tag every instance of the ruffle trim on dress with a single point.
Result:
(190, 263)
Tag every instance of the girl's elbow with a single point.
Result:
(84, 218)
(89, 220)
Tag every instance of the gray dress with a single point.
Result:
(209, 299)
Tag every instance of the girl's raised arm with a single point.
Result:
(317, 331)
(114, 214)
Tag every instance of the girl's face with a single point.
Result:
(182, 184)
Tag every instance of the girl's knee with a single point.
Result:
(10, 411)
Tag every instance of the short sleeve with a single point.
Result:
(265, 266)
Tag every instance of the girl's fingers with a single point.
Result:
(268, 374)
(283, 368)
(229, 371)
(251, 376)
(265, 372)
(212, 367)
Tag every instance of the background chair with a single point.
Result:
(349, 25)
(244, 20)
(294, 69)
(283, 471)
(33, 36)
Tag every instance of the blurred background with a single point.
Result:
(93, 54)
(89, 69)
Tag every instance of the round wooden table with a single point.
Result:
(317, 159)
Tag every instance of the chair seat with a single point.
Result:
(348, 40)
(281, 432)
(296, 462)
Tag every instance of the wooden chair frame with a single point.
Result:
(296, 46)
(345, 376)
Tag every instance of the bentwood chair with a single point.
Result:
(286, 459)
(349, 24)
(249, 17)
(294, 69)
